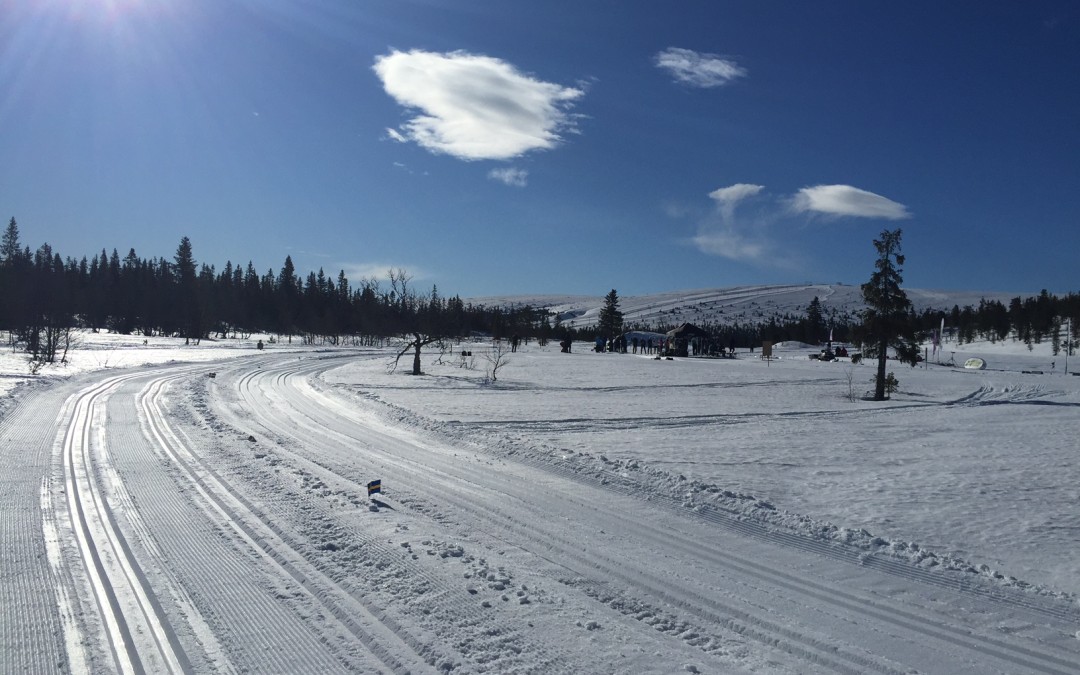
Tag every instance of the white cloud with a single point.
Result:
(743, 228)
(729, 244)
(474, 107)
(735, 193)
(844, 200)
(698, 70)
(511, 176)
(723, 235)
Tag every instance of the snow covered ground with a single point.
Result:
(92, 352)
(582, 512)
(976, 464)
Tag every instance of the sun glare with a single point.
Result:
(108, 10)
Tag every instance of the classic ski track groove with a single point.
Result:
(1017, 655)
(259, 532)
(235, 591)
(712, 611)
(138, 634)
(552, 659)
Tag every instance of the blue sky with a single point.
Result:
(512, 147)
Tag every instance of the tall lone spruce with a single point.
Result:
(611, 319)
(887, 319)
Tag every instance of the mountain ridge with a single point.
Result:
(749, 304)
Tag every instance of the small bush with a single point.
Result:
(891, 384)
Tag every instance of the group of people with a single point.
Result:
(615, 344)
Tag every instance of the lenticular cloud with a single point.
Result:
(472, 106)
(844, 200)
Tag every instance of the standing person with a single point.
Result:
(514, 343)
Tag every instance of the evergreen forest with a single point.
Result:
(44, 296)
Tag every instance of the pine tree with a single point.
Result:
(187, 286)
(888, 318)
(10, 251)
(611, 319)
(11, 299)
(288, 301)
(815, 321)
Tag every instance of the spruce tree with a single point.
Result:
(815, 321)
(9, 247)
(187, 286)
(11, 300)
(888, 317)
(611, 319)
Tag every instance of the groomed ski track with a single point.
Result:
(714, 581)
(164, 521)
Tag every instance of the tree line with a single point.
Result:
(44, 296)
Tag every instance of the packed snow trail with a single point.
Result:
(124, 562)
(138, 635)
(160, 520)
(820, 622)
(36, 600)
(233, 511)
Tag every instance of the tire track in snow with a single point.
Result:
(1017, 655)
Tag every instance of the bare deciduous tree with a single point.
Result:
(496, 358)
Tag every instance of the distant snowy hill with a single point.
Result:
(742, 304)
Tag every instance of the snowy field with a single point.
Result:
(981, 465)
(578, 512)
(97, 352)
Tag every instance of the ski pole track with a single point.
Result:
(280, 380)
(1017, 654)
(233, 511)
(463, 605)
(138, 635)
